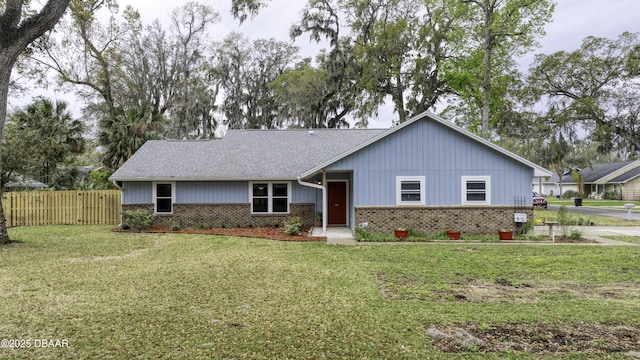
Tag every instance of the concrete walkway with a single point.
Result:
(337, 235)
(344, 236)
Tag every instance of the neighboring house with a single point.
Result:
(550, 186)
(621, 177)
(23, 183)
(426, 173)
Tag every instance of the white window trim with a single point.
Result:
(270, 196)
(486, 179)
(400, 179)
(155, 197)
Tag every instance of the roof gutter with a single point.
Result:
(324, 198)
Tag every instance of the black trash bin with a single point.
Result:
(577, 201)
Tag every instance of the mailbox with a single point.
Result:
(629, 207)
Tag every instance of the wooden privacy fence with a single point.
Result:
(91, 207)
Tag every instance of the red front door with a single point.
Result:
(337, 203)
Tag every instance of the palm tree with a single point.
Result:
(124, 132)
(48, 135)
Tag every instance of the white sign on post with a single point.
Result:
(520, 217)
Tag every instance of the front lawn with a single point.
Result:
(168, 296)
(625, 238)
(594, 202)
(541, 215)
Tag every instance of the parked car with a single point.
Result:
(539, 200)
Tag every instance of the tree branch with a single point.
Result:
(18, 35)
(11, 17)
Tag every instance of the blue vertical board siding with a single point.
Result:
(440, 154)
(231, 192)
(209, 192)
(301, 194)
(137, 192)
(212, 192)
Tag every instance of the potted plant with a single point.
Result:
(505, 234)
(453, 234)
(318, 218)
(401, 233)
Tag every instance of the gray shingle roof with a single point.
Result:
(241, 155)
(628, 176)
(265, 154)
(599, 171)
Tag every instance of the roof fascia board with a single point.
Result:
(538, 170)
(200, 179)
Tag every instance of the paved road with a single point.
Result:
(601, 211)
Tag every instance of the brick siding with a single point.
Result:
(431, 219)
(227, 215)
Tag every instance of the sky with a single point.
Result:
(573, 21)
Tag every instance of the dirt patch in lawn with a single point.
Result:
(504, 290)
(535, 338)
(412, 287)
(272, 233)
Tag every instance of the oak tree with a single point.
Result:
(17, 31)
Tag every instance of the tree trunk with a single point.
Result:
(15, 35)
(560, 175)
(486, 64)
(4, 235)
(5, 76)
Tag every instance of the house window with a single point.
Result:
(269, 197)
(410, 190)
(163, 195)
(260, 198)
(476, 190)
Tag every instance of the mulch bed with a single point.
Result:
(271, 233)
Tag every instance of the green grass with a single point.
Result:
(594, 202)
(629, 239)
(169, 296)
(584, 219)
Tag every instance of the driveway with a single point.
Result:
(600, 211)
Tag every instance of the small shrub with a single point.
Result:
(570, 193)
(525, 228)
(440, 235)
(198, 220)
(137, 220)
(575, 235)
(415, 233)
(564, 220)
(292, 225)
(176, 225)
(363, 233)
(612, 195)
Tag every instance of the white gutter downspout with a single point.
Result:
(324, 198)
